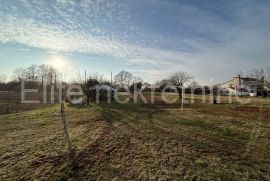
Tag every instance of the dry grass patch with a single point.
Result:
(137, 142)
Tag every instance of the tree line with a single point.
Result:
(38, 73)
(127, 80)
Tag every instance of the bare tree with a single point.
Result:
(137, 84)
(123, 78)
(37, 73)
(32, 72)
(52, 75)
(256, 73)
(146, 84)
(180, 78)
(267, 76)
(261, 73)
(29, 73)
(19, 74)
(137, 79)
(241, 73)
(43, 72)
(3, 78)
(81, 79)
(99, 77)
(194, 84)
(162, 84)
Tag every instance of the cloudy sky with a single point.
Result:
(151, 38)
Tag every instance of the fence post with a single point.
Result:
(7, 108)
(17, 107)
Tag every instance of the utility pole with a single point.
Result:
(17, 103)
(85, 76)
(111, 78)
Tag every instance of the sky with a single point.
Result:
(212, 40)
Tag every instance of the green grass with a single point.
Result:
(138, 142)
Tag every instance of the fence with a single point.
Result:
(10, 101)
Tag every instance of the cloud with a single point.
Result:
(27, 31)
(155, 36)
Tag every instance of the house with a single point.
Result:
(267, 90)
(243, 86)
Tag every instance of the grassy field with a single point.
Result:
(138, 142)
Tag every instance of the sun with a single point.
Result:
(58, 63)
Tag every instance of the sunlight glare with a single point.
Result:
(58, 62)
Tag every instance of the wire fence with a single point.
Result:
(10, 101)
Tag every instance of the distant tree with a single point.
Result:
(161, 84)
(267, 76)
(146, 84)
(52, 75)
(180, 78)
(97, 76)
(241, 73)
(194, 84)
(19, 74)
(261, 73)
(43, 71)
(37, 73)
(32, 72)
(81, 79)
(107, 82)
(90, 94)
(91, 83)
(123, 79)
(136, 86)
(13, 85)
(256, 73)
(3, 78)
(137, 79)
